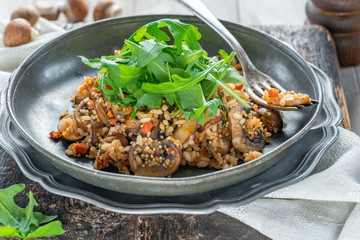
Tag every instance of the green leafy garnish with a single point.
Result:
(24, 222)
(149, 69)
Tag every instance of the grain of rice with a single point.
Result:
(143, 120)
(202, 164)
(187, 156)
(167, 115)
(178, 122)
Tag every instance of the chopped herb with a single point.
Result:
(149, 69)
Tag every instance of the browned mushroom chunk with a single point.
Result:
(101, 113)
(18, 32)
(184, 132)
(132, 128)
(156, 131)
(218, 143)
(81, 120)
(155, 159)
(240, 140)
(106, 9)
(95, 128)
(29, 13)
(120, 137)
(271, 119)
(117, 112)
(211, 121)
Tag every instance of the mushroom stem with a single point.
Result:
(49, 9)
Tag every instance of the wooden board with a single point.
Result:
(84, 221)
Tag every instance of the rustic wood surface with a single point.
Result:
(84, 221)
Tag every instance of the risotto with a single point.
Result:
(134, 119)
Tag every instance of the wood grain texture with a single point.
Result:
(84, 221)
(335, 21)
(343, 24)
(336, 5)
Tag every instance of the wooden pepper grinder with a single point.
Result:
(342, 18)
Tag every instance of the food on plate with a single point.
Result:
(288, 98)
(161, 103)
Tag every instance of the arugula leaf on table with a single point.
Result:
(24, 222)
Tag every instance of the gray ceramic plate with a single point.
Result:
(41, 88)
(302, 158)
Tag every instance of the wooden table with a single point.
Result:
(84, 221)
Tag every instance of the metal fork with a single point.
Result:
(257, 80)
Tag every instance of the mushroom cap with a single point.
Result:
(17, 32)
(271, 118)
(106, 9)
(170, 150)
(48, 9)
(29, 13)
(76, 10)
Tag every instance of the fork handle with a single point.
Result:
(202, 12)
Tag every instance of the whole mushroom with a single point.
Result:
(76, 10)
(17, 32)
(106, 9)
(49, 9)
(29, 13)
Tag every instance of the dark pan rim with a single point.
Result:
(14, 80)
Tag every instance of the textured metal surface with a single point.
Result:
(41, 88)
(297, 164)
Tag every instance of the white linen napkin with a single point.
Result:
(11, 57)
(325, 205)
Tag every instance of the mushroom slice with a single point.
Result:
(155, 131)
(122, 138)
(132, 126)
(101, 113)
(95, 127)
(220, 145)
(117, 112)
(211, 121)
(153, 158)
(271, 119)
(184, 132)
(240, 140)
(79, 117)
